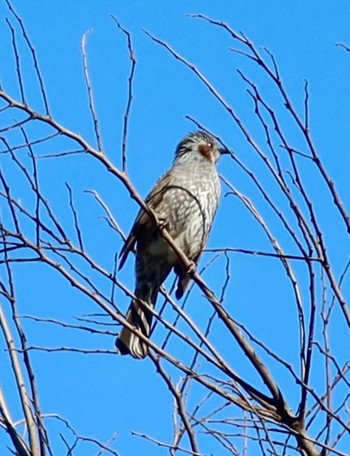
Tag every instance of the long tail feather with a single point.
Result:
(150, 274)
(129, 343)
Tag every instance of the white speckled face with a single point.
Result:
(198, 146)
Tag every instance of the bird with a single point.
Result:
(185, 200)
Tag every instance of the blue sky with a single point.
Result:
(104, 394)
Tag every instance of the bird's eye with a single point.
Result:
(209, 144)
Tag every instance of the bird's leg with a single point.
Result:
(191, 268)
(162, 223)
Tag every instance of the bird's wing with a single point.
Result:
(142, 222)
(183, 278)
(129, 245)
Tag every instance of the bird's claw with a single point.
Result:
(161, 223)
(191, 268)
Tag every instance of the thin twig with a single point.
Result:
(90, 92)
(33, 53)
(126, 119)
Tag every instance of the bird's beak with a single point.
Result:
(224, 151)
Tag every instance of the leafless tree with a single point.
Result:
(283, 402)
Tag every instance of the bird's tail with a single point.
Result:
(129, 343)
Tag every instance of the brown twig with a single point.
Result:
(90, 92)
(131, 77)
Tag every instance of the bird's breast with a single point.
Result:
(189, 208)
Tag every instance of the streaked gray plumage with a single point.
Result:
(185, 199)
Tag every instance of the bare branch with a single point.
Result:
(132, 58)
(90, 91)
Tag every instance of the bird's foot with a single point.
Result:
(191, 268)
(161, 223)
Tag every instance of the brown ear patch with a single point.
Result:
(205, 150)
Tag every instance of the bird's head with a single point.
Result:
(199, 146)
